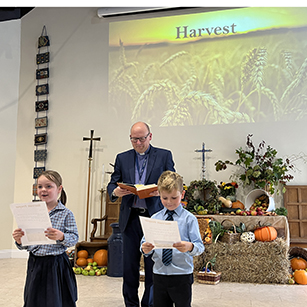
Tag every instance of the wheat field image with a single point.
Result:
(259, 77)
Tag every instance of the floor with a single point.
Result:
(98, 291)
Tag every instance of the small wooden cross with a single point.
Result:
(91, 139)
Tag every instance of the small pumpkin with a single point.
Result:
(89, 260)
(265, 234)
(238, 204)
(81, 261)
(101, 257)
(82, 253)
(298, 263)
(300, 277)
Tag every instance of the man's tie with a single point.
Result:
(167, 253)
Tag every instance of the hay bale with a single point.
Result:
(258, 262)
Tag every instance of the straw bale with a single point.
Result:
(258, 262)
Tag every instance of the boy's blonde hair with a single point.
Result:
(169, 181)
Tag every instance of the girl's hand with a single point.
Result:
(147, 247)
(184, 246)
(17, 234)
(54, 234)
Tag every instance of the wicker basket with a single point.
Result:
(296, 251)
(230, 237)
(209, 278)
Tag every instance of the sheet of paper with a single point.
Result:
(162, 234)
(33, 219)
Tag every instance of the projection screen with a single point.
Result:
(242, 65)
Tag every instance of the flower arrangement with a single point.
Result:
(228, 189)
(260, 166)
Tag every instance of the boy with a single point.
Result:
(173, 274)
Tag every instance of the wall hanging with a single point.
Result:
(41, 108)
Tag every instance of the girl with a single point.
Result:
(50, 280)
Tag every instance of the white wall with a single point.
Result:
(76, 104)
(9, 80)
(79, 102)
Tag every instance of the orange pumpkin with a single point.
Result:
(81, 261)
(238, 204)
(82, 253)
(101, 257)
(298, 263)
(300, 277)
(265, 234)
(90, 260)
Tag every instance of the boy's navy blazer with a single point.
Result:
(159, 160)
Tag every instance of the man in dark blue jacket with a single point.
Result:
(141, 165)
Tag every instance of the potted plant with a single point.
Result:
(228, 190)
(260, 166)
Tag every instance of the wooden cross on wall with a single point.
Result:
(91, 139)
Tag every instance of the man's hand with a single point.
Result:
(119, 192)
(154, 193)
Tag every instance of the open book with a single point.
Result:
(142, 191)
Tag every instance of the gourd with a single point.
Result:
(238, 204)
(265, 234)
(226, 202)
(300, 277)
(101, 257)
(247, 236)
(298, 263)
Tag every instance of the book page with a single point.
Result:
(160, 233)
(144, 187)
(33, 219)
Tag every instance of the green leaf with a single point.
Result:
(216, 228)
(248, 162)
(281, 211)
(256, 174)
(243, 227)
(249, 172)
(213, 261)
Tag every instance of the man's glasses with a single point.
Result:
(141, 139)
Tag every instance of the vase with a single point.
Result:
(115, 252)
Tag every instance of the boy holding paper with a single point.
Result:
(173, 268)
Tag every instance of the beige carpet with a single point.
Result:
(98, 291)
